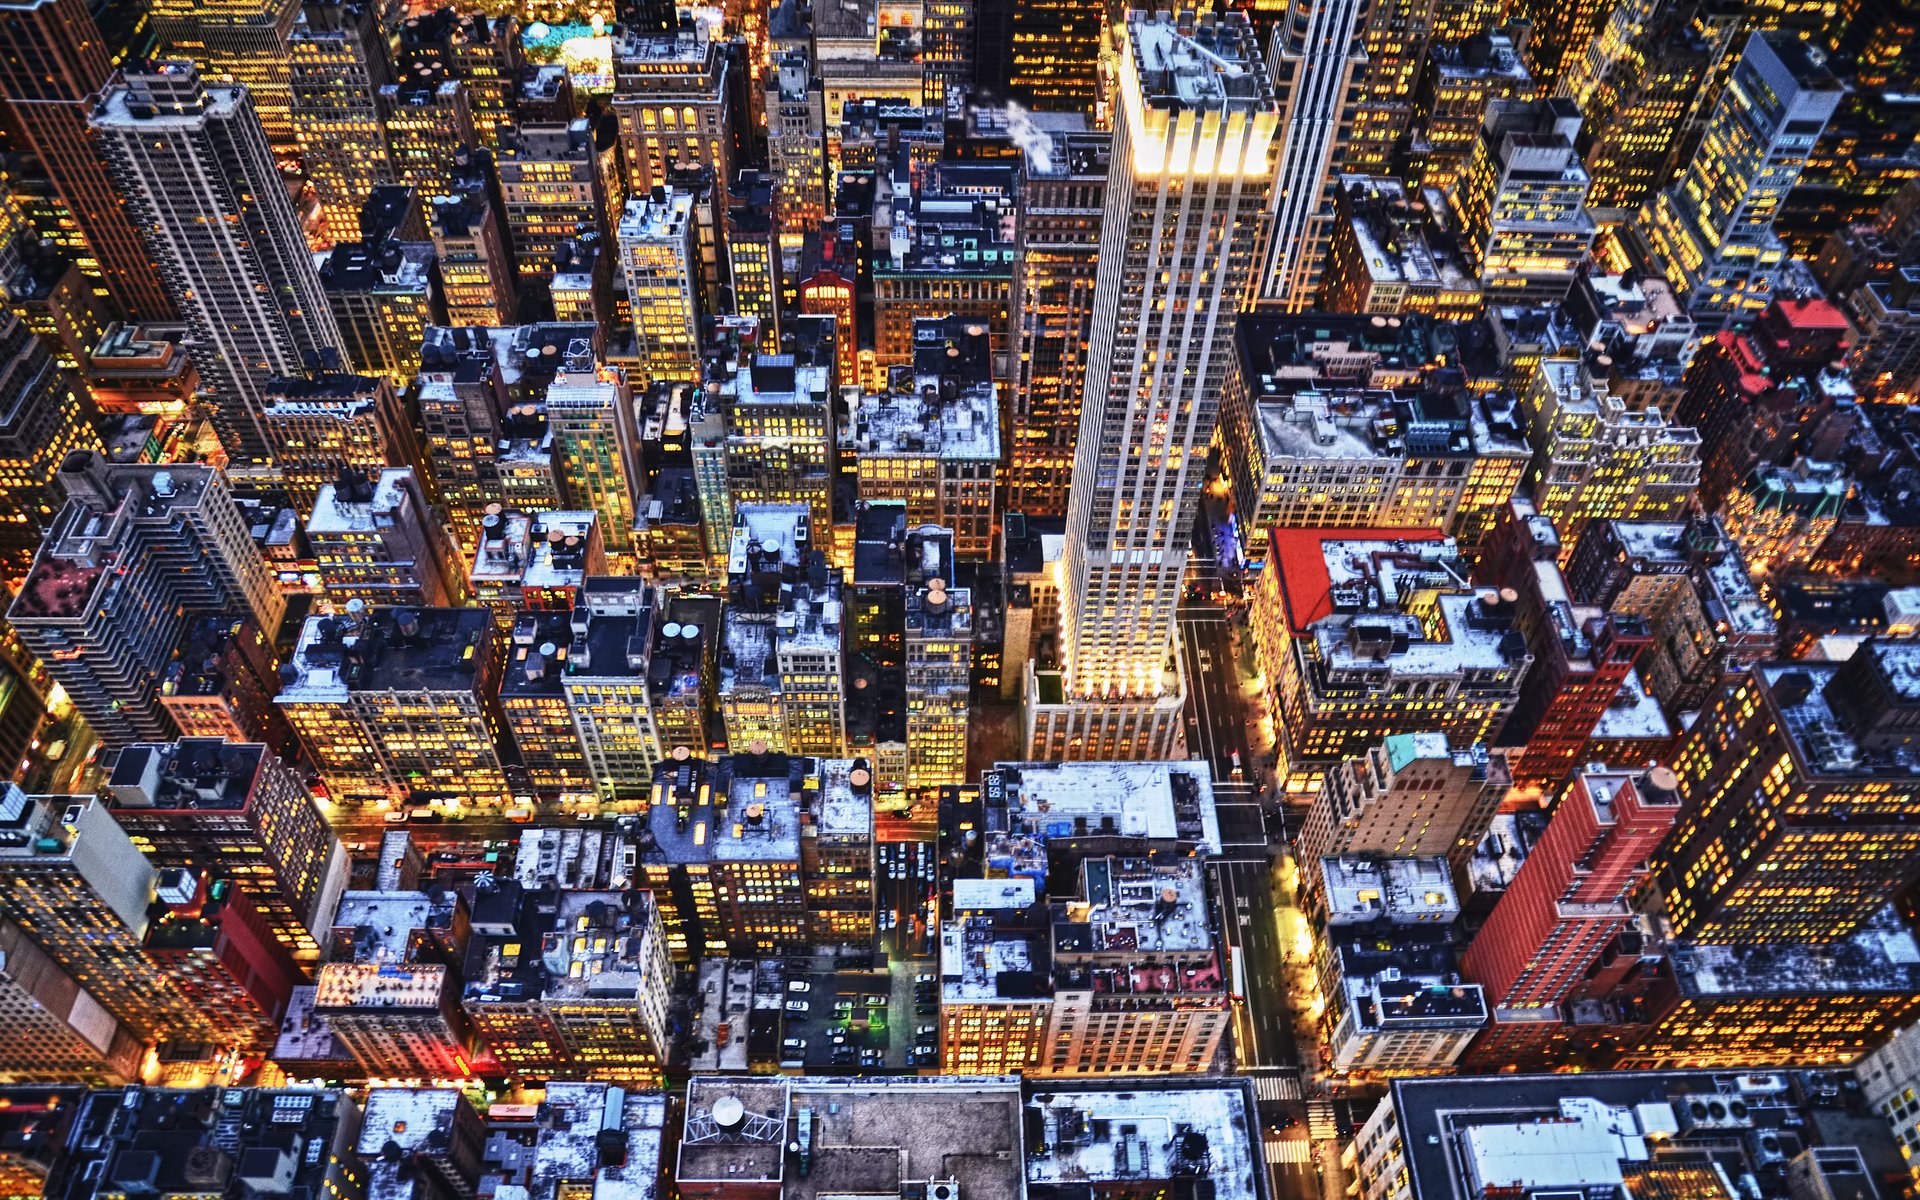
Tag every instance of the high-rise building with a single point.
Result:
(1790, 832)
(574, 985)
(726, 864)
(538, 560)
(836, 852)
(1195, 109)
(934, 442)
(484, 53)
(1411, 796)
(244, 42)
(1520, 205)
(1582, 654)
(671, 95)
(1643, 74)
(376, 539)
(763, 433)
(782, 655)
(1299, 457)
(1138, 988)
(428, 118)
(551, 764)
(1558, 39)
(53, 63)
(135, 552)
(1711, 233)
(470, 245)
(551, 185)
(324, 422)
(657, 262)
(1574, 892)
(220, 684)
(1458, 82)
(1386, 963)
(1044, 56)
(383, 288)
(939, 659)
(79, 887)
(1366, 636)
(41, 423)
(996, 985)
(797, 152)
(235, 258)
(339, 64)
(482, 400)
(590, 413)
(919, 218)
(1596, 459)
(1318, 66)
(641, 677)
(388, 994)
(55, 1031)
(753, 249)
(233, 811)
(400, 704)
(1062, 184)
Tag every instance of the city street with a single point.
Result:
(1299, 1140)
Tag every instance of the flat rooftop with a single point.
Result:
(1881, 957)
(1125, 1138)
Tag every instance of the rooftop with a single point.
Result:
(1129, 1138)
(1214, 64)
(1402, 890)
(994, 957)
(414, 1119)
(1583, 1134)
(1882, 957)
(387, 649)
(575, 1120)
(356, 505)
(190, 774)
(380, 986)
(379, 927)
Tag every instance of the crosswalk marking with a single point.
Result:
(1321, 1124)
(1276, 1087)
(1290, 1150)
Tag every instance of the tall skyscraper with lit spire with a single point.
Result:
(1186, 216)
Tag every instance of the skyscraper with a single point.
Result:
(194, 165)
(77, 885)
(242, 42)
(939, 657)
(53, 60)
(1797, 820)
(658, 261)
(134, 553)
(1186, 216)
(551, 185)
(1062, 184)
(1711, 233)
(1316, 60)
(1520, 205)
(1572, 894)
(340, 64)
(1642, 75)
(590, 414)
(42, 421)
(235, 811)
